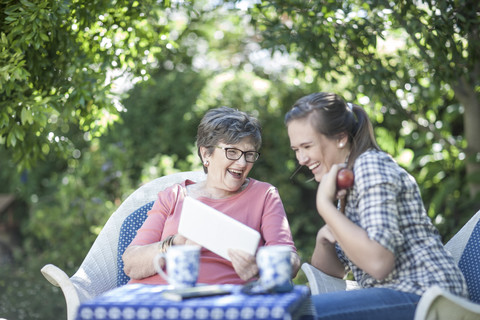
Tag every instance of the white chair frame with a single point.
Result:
(98, 271)
(436, 303)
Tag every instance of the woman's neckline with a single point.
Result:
(193, 191)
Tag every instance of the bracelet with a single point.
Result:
(167, 243)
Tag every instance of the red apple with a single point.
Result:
(344, 178)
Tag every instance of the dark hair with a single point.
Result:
(331, 116)
(229, 126)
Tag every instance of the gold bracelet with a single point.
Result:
(167, 243)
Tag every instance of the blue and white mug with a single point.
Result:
(275, 266)
(182, 263)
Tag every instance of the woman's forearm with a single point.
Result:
(325, 257)
(366, 253)
(138, 260)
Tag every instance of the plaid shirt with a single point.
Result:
(385, 201)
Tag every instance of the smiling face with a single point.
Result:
(315, 150)
(224, 175)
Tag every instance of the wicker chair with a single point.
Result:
(436, 303)
(102, 268)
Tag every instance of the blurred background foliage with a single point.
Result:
(98, 97)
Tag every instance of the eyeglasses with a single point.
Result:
(235, 154)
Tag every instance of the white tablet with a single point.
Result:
(215, 230)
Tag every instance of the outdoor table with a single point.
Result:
(141, 301)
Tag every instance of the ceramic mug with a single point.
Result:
(275, 266)
(182, 263)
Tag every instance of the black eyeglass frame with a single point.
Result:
(242, 153)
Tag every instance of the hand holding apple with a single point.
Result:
(344, 179)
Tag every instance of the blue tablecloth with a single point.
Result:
(137, 301)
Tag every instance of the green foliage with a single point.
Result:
(27, 296)
(158, 120)
(57, 61)
(77, 204)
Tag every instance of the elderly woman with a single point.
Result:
(228, 141)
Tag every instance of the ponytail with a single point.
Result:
(362, 137)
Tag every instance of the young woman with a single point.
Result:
(379, 230)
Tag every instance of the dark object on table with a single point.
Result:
(194, 292)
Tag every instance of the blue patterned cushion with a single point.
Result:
(470, 264)
(127, 232)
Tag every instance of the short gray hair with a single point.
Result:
(229, 126)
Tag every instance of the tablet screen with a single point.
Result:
(215, 230)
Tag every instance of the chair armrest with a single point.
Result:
(59, 278)
(321, 282)
(437, 303)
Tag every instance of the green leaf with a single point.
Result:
(27, 3)
(11, 140)
(26, 116)
(19, 132)
(44, 37)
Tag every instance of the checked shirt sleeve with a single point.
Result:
(378, 185)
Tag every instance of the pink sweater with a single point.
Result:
(258, 206)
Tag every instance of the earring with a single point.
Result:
(340, 144)
(206, 163)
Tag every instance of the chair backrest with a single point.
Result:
(456, 245)
(470, 264)
(465, 249)
(98, 272)
(127, 232)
